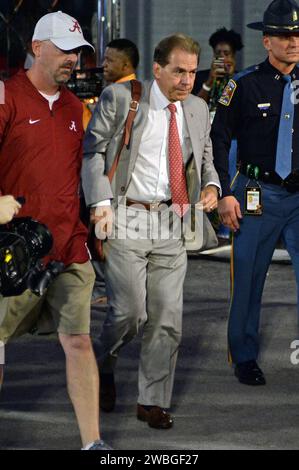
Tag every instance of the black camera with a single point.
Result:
(23, 242)
(86, 83)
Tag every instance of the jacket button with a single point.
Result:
(122, 189)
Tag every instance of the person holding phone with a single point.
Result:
(209, 84)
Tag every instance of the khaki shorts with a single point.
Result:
(65, 306)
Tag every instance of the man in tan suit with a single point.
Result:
(145, 269)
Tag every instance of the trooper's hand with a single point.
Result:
(9, 207)
(230, 212)
(102, 217)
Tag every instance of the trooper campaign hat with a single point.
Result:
(281, 17)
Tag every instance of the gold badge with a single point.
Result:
(295, 16)
(228, 93)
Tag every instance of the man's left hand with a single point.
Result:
(209, 198)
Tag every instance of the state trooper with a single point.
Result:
(257, 108)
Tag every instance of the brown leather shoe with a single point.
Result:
(156, 417)
(107, 392)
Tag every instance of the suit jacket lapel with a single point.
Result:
(193, 169)
(193, 128)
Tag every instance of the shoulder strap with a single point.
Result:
(238, 75)
(134, 105)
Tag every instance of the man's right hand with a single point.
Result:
(9, 207)
(102, 217)
(230, 212)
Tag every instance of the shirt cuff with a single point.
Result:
(106, 202)
(212, 183)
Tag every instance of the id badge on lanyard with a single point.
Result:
(253, 192)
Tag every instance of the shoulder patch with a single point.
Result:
(228, 93)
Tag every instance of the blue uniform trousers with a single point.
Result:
(223, 231)
(253, 247)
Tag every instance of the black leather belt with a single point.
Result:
(149, 206)
(291, 183)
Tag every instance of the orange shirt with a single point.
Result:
(127, 78)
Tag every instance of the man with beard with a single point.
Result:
(41, 152)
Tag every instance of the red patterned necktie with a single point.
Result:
(178, 185)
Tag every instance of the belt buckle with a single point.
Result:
(154, 206)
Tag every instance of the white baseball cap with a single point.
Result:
(61, 29)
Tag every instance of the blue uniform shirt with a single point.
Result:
(249, 110)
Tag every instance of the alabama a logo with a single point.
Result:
(73, 126)
(76, 27)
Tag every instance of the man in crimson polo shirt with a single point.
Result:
(40, 158)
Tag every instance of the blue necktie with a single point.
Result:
(283, 163)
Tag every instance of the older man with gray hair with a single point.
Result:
(145, 273)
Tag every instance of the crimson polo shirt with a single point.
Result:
(40, 159)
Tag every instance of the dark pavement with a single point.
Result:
(211, 409)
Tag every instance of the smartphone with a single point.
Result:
(219, 63)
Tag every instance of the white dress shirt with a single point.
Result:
(150, 177)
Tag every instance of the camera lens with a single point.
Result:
(39, 239)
